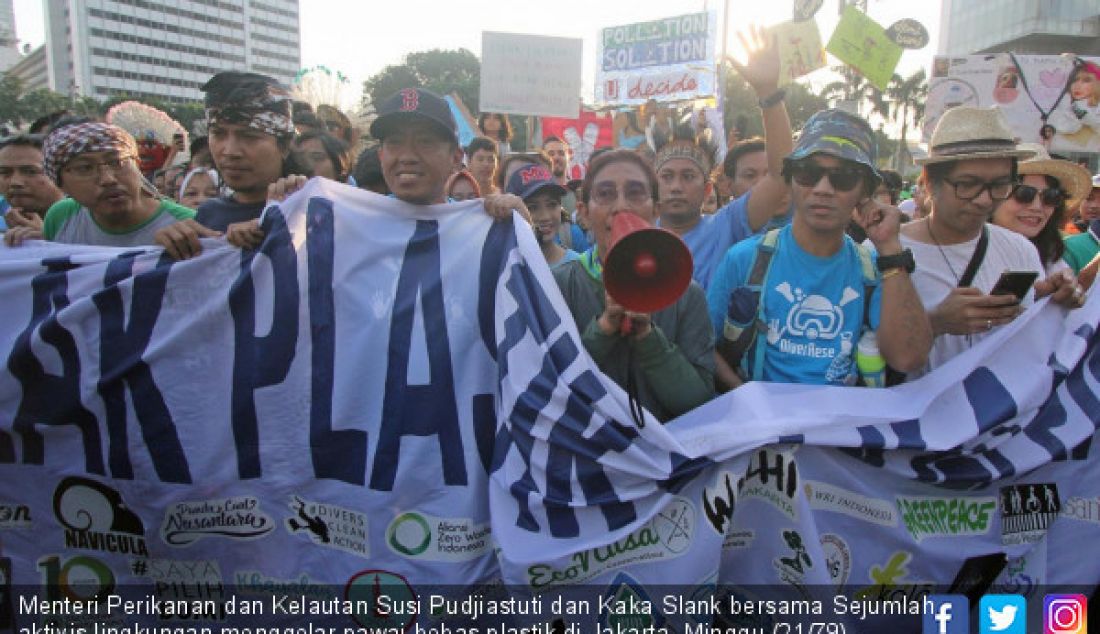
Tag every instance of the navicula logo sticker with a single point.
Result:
(927, 517)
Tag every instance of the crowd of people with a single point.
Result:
(808, 267)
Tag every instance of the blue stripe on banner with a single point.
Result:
(908, 433)
(498, 247)
(989, 398)
(1053, 413)
(683, 470)
(791, 439)
(522, 418)
(122, 344)
(338, 455)
(50, 399)
(540, 317)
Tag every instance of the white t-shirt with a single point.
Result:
(934, 279)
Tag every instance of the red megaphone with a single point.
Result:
(646, 268)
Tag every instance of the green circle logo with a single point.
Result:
(409, 534)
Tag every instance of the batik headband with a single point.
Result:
(64, 144)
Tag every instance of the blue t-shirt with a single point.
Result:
(813, 308)
(4, 207)
(709, 240)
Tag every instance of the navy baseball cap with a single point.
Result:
(837, 133)
(409, 104)
(531, 180)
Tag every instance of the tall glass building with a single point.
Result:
(166, 48)
(1042, 27)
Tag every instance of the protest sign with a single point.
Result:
(862, 43)
(387, 398)
(671, 59)
(800, 49)
(530, 74)
(583, 134)
(1024, 88)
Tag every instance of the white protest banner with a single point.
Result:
(530, 74)
(385, 399)
(1024, 88)
(671, 59)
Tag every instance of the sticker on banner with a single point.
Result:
(719, 501)
(237, 517)
(793, 566)
(773, 477)
(15, 516)
(739, 539)
(827, 497)
(421, 536)
(927, 517)
(838, 558)
(1027, 510)
(96, 518)
(255, 582)
(1082, 509)
(626, 607)
(386, 591)
(86, 580)
(194, 582)
(891, 581)
(665, 536)
(330, 526)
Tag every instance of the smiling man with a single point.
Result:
(109, 202)
(811, 292)
(420, 147)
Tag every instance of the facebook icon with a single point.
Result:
(946, 614)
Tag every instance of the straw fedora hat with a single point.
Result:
(1074, 179)
(964, 133)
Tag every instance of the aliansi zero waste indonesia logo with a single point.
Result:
(667, 535)
(421, 536)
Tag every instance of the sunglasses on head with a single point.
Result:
(843, 179)
(1051, 196)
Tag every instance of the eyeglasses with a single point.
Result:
(970, 189)
(1051, 196)
(842, 179)
(87, 170)
(636, 193)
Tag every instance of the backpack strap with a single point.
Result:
(734, 345)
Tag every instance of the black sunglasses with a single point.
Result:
(1051, 196)
(843, 179)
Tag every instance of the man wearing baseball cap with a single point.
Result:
(109, 202)
(420, 146)
(1083, 247)
(970, 169)
(542, 194)
(792, 305)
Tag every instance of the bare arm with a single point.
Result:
(769, 195)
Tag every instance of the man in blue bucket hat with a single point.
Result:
(805, 303)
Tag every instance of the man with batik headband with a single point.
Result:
(109, 203)
(250, 130)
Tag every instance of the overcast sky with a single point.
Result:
(359, 38)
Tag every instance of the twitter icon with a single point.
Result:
(1003, 614)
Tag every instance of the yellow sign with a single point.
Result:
(800, 50)
(861, 43)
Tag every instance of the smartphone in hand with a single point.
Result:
(1016, 283)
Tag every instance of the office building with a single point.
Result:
(1038, 27)
(166, 49)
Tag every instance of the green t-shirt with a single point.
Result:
(68, 222)
(1080, 250)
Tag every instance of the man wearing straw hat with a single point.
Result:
(970, 170)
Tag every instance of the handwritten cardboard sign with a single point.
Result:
(530, 74)
(800, 49)
(861, 43)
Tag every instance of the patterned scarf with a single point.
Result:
(63, 144)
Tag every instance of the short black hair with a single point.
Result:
(22, 140)
(198, 144)
(482, 143)
(748, 146)
(505, 133)
(552, 139)
(368, 171)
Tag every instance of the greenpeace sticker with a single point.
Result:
(946, 517)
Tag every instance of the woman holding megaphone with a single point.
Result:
(648, 328)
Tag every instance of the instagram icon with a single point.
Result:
(1065, 614)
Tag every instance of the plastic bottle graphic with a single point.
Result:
(872, 367)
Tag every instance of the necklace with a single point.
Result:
(946, 261)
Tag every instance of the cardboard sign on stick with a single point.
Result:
(862, 43)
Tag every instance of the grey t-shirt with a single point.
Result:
(69, 222)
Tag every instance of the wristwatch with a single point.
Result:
(903, 260)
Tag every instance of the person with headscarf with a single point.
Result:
(109, 202)
(250, 131)
(198, 186)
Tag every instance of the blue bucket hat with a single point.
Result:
(836, 133)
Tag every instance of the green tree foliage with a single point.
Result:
(741, 111)
(441, 71)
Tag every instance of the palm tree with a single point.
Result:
(854, 87)
(907, 97)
